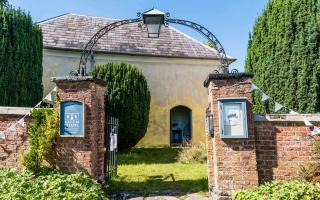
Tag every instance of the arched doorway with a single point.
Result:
(180, 126)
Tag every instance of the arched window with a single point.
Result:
(180, 126)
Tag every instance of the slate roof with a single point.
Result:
(72, 32)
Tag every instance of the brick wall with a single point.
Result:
(15, 142)
(276, 147)
(232, 162)
(71, 154)
(283, 146)
(83, 153)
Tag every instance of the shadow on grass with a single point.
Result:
(159, 185)
(149, 156)
(148, 171)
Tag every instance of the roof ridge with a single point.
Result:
(83, 15)
(55, 17)
(75, 14)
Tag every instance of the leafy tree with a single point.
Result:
(20, 58)
(284, 54)
(127, 96)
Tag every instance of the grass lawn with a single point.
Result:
(146, 170)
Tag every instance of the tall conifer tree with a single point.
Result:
(127, 96)
(284, 54)
(3, 2)
(20, 58)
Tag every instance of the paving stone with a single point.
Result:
(195, 197)
(162, 198)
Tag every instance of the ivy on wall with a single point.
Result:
(42, 133)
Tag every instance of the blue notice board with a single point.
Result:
(72, 119)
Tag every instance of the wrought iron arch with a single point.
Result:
(87, 51)
(213, 40)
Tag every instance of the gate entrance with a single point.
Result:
(111, 146)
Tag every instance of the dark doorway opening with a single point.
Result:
(180, 126)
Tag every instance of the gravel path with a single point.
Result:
(194, 196)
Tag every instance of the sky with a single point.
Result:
(229, 20)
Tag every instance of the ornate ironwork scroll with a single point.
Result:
(87, 51)
(209, 35)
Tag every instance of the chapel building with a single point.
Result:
(175, 66)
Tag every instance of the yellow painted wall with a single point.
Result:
(172, 82)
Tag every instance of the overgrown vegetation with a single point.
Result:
(20, 58)
(309, 173)
(42, 133)
(149, 170)
(127, 96)
(294, 190)
(194, 154)
(49, 185)
(284, 54)
(312, 172)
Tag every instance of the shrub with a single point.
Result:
(293, 190)
(309, 173)
(127, 97)
(42, 133)
(48, 185)
(20, 58)
(194, 154)
(312, 172)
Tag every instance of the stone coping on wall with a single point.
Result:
(287, 117)
(14, 110)
(221, 76)
(69, 79)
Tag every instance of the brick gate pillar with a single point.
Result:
(84, 152)
(232, 161)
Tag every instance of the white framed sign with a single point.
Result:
(233, 118)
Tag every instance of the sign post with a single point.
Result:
(80, 147)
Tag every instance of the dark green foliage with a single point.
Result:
(20, 59)
(127, 97)
(49, 185)
(3, 2)
(284, 54)
(294, 190)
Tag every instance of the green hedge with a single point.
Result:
(127, 96)
(49, 185)
(3, 2)
(20, 59)
(293, 190)
(283, 53)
